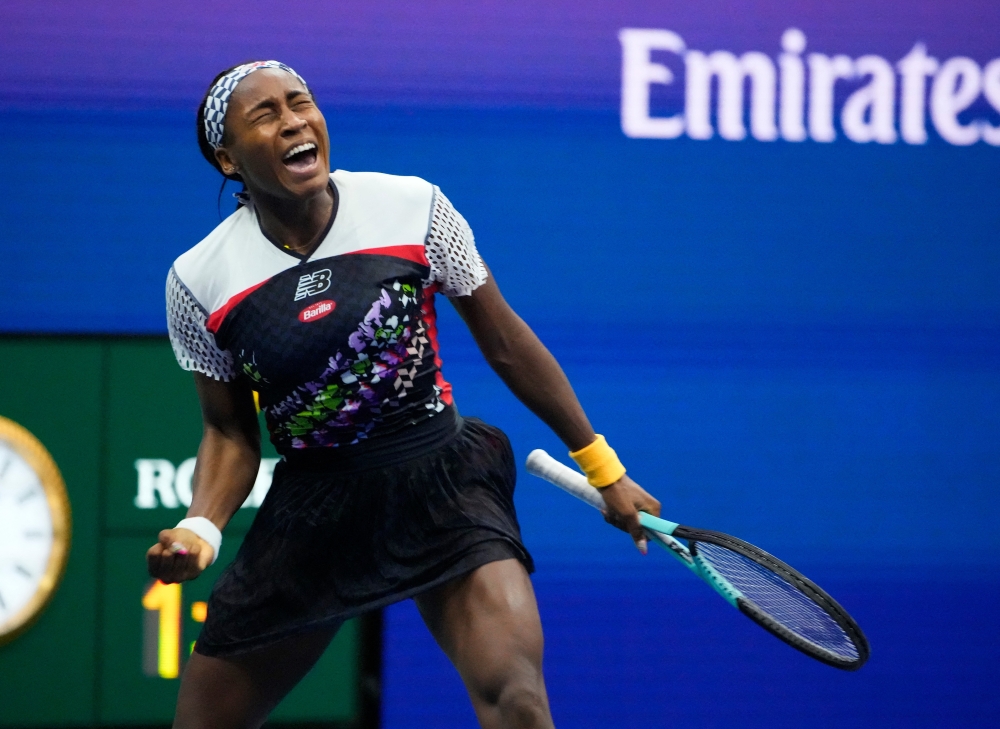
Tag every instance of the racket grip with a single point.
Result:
(541, 464)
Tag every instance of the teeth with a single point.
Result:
(301, 148)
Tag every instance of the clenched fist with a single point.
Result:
(178, 556)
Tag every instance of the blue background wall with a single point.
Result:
(795, 343)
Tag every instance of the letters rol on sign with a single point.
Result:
(160, 484)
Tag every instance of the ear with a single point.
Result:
(229, 166)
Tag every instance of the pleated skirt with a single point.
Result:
(340, 535)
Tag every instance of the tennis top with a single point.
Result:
(340, 345)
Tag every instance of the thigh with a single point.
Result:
(239, 692)
(487, 623)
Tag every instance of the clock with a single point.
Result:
(34, 529)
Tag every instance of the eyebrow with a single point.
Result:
(266, 103)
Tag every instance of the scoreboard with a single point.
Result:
(122, 422)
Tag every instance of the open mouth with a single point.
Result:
(300, 157)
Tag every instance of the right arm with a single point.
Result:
(228, 460)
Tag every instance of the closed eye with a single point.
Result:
(264, 115)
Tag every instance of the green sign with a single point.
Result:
(122, 422)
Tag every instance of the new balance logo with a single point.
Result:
(313, 283)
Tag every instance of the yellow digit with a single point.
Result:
(166, 599)
(199, 611)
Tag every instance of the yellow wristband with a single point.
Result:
(600, 462)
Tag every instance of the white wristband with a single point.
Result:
(204, 529)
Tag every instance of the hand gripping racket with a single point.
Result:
(765, 589)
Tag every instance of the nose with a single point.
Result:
(293, 123)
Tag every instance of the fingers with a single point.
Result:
(161, 563)
(652, 506)
(177, 556)
(634, 528)
(642, 545)
(627, 519)
(624, 500)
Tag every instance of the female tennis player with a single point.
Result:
(318, 295)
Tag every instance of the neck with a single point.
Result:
(295, 224)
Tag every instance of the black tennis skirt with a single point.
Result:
(340, 534)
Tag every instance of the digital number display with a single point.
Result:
(163, 630)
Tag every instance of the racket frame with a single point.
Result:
(661, 531)
(664, 533)
(795, 578)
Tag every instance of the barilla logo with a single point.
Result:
(317, 310)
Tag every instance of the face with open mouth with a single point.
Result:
(275, 137)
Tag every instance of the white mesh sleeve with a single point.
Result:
(451, 250)
(194, 346)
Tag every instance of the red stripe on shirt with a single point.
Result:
(219, 315)
(430, 319)
(413, 253)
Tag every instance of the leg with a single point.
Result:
(487, 623)
(239, 692)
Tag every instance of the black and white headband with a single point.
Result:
(217, 101)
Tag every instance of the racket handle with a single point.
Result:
(543, 465)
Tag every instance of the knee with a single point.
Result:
(524, 705)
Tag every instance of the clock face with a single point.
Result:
(25, 533)
(34, 528)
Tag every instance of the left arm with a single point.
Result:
(534, 376)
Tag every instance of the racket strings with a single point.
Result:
(779, 599)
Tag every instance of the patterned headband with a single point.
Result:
(217, 100)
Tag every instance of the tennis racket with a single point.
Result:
(769, 592)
